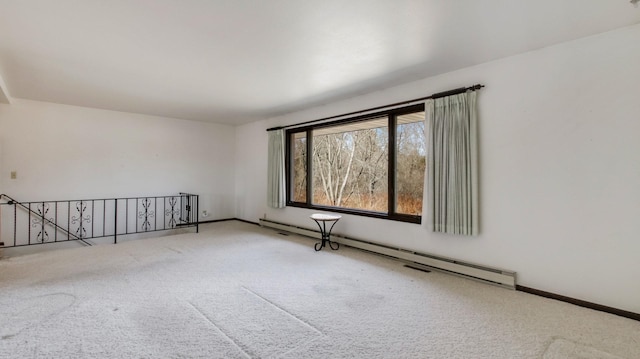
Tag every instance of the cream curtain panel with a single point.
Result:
(452, 172)
(276, 195)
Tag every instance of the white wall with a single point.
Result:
(560, 169)
(67, 152)
(251, 170)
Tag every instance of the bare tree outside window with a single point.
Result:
(350, 163)
(410, 163)
(299, 166)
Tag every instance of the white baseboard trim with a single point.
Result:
(496, 276)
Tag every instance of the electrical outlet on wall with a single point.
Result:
(14, 174)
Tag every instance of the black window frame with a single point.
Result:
(392, 116)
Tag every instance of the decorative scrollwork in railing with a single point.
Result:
(41, 210)
(146, 204)
(81, 207)
(173, 212)
(187, 208)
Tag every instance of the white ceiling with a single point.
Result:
(235, 61)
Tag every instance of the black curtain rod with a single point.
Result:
(434, 96)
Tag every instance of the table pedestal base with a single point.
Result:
(326, 234)
(325, 241)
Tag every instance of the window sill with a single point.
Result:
(395, 217)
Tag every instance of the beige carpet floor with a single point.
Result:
(236, 290)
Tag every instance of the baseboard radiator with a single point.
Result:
(500, 277)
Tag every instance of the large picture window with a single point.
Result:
(370, 165)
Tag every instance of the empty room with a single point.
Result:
(320, 179)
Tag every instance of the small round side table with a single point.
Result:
(326, 235)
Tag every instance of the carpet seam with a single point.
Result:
(220, 330)
(283, 310)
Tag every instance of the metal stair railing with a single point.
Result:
(80, 220)
(42, 218)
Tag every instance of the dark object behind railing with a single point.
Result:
(43, 222)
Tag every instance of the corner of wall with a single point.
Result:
(2, 134)
(250, 178)
(4, 92)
